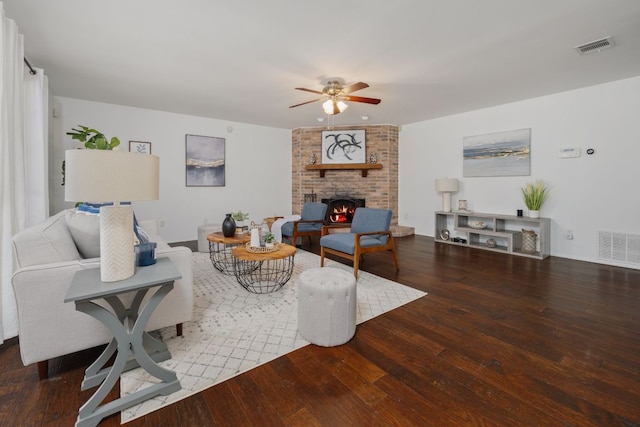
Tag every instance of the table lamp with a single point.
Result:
(104, 176)
(446, 186)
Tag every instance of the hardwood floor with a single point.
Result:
(499, 340)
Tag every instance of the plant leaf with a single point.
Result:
(101, 143)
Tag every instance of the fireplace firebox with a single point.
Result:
(341, 209)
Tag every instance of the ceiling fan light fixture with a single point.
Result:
(327, 106)
(330, 105)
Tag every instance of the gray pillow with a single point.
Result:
(85, 230)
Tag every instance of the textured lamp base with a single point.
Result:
(117, 252)
(446, 201)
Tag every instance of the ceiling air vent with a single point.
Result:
(595, 46)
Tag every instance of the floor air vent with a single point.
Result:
(621, 247)
(595, 46)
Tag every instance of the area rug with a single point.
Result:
(234, 331)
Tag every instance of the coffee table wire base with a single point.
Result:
(221, 257)
(261, 277)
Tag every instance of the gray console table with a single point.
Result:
(133, 345)
(504, 230)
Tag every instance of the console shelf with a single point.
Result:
(364, 167)
(506, 230)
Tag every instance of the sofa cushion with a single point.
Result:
(84, 225)
(85, 229)
(45, 243)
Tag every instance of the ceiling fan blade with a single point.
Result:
(362, 99)
(308, 102)
(310, 90)
(354, 87)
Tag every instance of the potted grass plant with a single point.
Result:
(534, 196)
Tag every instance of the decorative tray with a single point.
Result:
(262, 249)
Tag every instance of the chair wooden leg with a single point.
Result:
(322, 256)
(43, 369)
(395, 254)
(356, 264)
(395, 258)
(179, 329)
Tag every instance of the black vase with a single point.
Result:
(228, 226)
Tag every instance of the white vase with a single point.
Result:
(534, 214)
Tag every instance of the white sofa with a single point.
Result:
(47, 259)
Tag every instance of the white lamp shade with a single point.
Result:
(110, 176)
(446, 185)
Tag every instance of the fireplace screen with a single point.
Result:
(341, 210)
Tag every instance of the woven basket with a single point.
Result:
(529, 238)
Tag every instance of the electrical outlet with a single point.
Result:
(569, 235)
(161, 223)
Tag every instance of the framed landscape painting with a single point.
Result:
(497, 154)
(205, 161)
(344, 146)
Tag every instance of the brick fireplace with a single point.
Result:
(380, 186)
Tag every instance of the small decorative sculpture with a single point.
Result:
(312, 160)
(372, 158)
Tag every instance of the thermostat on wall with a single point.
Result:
(566, 153)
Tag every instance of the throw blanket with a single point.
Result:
(276, 227)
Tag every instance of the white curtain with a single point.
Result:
(23, 158)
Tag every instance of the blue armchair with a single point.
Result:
(369, 233)
(312, 219)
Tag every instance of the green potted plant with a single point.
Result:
(534, 196)
(240, 217)
(269, 239)
(93, 140)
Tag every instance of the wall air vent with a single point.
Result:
(622, 247)
(595, 46)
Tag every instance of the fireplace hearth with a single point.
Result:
(341, 209)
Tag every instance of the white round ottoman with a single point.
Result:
(327, 304)
(203, 231)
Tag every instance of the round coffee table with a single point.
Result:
(263, 272)
(220, 250)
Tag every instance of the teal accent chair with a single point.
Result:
(313, 217)
(369, 233)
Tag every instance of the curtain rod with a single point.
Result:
(31, 70)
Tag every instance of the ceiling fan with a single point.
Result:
(335, 94)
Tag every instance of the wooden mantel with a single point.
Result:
(364, 167)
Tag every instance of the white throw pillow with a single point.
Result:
(85, 230)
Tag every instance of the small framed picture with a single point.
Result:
(140, 147)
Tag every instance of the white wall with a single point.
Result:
(588, 194)
(258, 164)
